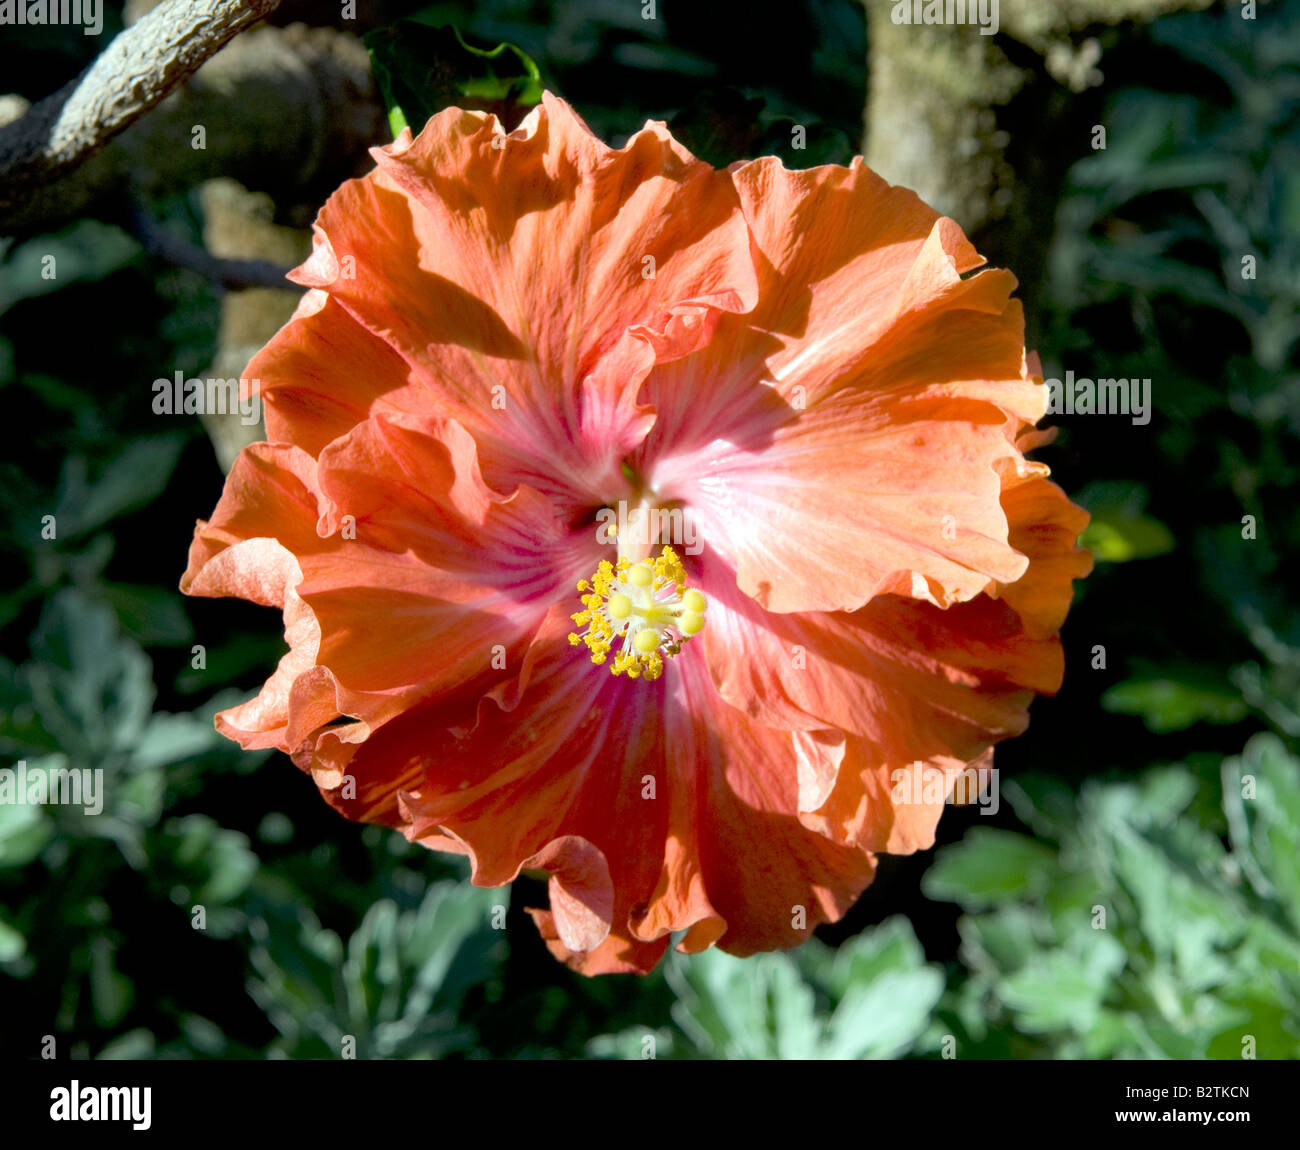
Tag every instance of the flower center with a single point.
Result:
(645, 608)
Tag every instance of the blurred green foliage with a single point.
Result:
(1137, 932)
(1144, 900)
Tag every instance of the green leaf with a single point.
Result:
(883, 1017)
(1044, 804)
(990, 866)
(174, 738)
(446, 942)
(150, 615)
(92, 688)
(890, 948)
(203, 1035)
(215, 864)
(393, 989)
(1183, 919)
(771, 1006)
(111, 992)
(1002, 939)
(21, 729)
(12, 944)
(240, 656)
(24, 829)
(421, 70)
(88, 250)
(634, 1043)
(1260, 1025)
(1119, 531)
(1261, 797)
(1114, 538)
(756, 1008)
(136, 476)
(1187, 962)
(133, 1046)
(1064, 990)
(1171, 704)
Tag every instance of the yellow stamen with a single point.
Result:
(691, 623)
(636, 615)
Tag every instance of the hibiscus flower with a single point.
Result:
(645, 525)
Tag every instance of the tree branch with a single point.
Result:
(290, 111)
(231, 274)
(128, 78)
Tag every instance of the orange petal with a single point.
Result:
(530, 280)
(324, 373)
(691, 806)
(1045, 526)
(843, 439)
(917, 689)
(387, 606)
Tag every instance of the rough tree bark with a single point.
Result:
(290, 111)
(128, 78)
(984, 127)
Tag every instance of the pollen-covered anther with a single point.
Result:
(636, 615)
